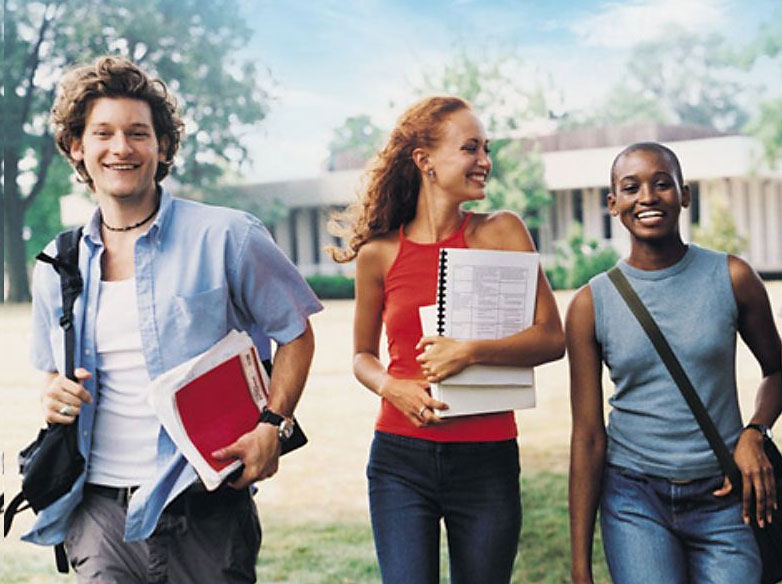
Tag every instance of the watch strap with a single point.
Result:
(270, 417)
(762, 428)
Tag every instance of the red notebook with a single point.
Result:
(221, 405)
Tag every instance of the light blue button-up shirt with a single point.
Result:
(200, 272)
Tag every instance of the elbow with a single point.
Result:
(589, 443)
(555, 344)
(558, 345)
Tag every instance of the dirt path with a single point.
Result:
(325, 480)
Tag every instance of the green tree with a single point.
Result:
(354, 143)
(491, 84)
(189, 43)
(767, 125)
(721, 232)
(517, 182)
(578, 260)
(682, 80)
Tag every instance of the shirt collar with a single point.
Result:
(92, 228)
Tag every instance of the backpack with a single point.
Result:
(52, 462)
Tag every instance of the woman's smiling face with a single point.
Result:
(461, 159)
(648, 194)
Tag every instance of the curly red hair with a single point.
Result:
(393, 180)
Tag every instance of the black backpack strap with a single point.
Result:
(60, 558)
(66, 264)
(14, 506)
(676, 370)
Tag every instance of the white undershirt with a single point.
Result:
(124, 440)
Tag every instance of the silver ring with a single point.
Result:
(67, 410)
(421, 411)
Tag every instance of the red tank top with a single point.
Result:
(412, 282)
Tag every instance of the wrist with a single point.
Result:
(282, 424)
(470, 352)
(761, 430)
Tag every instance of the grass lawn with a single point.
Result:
(315, 516)
(318, 552)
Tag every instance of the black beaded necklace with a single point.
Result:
(135, 225)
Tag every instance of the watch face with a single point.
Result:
(285, 430)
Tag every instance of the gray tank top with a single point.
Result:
(651, 429)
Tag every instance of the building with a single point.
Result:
(722, 170)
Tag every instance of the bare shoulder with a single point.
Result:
(500, 230)
(744, 279)
(581, 309)
(377, 255)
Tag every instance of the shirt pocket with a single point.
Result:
(202, 318)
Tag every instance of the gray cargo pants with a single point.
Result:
(200, 538)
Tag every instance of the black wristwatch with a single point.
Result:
(284, 425)
(762, 428)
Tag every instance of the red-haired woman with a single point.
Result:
(422, 468)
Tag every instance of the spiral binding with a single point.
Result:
(441, 276)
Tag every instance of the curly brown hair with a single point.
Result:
(113, 76)
(393, 180)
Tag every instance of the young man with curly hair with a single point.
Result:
(164, 279)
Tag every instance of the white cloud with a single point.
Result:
(624, 24)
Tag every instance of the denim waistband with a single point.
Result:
(434, 446)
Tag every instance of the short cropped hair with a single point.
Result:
(116, 77)
(650, 147)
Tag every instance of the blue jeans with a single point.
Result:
(472, 486)
(659, 531)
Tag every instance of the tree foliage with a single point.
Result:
(680, 80)
(189, 43)
(767, 125)
(354, 143)
(517, 182)
(721, 232)
(578, 260)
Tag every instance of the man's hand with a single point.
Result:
(62, 398)
(259, 451)
(756, 474)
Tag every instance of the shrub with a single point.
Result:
(332, 287)
(578, 261)
(721, 234)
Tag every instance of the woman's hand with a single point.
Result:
(61, 399)
(442, 357)
(410, 396)
(756, 474)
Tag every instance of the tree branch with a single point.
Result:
(34, 58)
(45, 157)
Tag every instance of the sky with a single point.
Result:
(327, 60)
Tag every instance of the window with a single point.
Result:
(695, 203)
(578, 205)
(292, 215)
(315, 234)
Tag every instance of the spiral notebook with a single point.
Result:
(484, 294)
